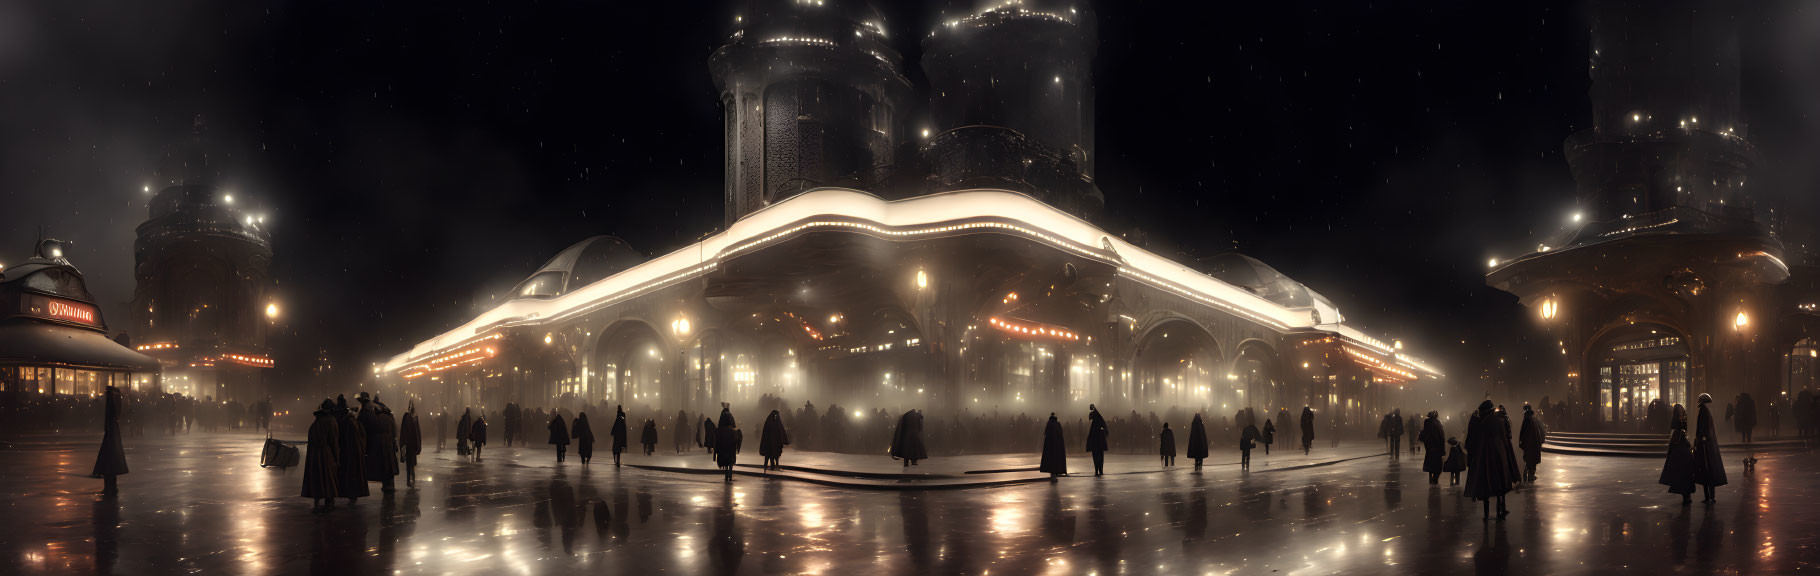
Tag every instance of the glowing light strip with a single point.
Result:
(1377, 364)
(1033, 329)
(840, 208)
(158, 346)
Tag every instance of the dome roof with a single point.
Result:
(581, 264)
(806, 18)
(1259, 278)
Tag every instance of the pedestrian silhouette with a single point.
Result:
(1197, 442)
(110, 463)
(772, 438)
(1489, 469)
(319, 470)
(1709, 466)
(559, 435)
(1167, 450)
(1096, 439)
(1055, 450)
(1678, 468)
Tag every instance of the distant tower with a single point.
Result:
(811, 93)
(203, 282)
(1011, 99)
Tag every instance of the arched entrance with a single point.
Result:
(1257, 373)
(628, 366)
(1177, 365)
(1638, 365)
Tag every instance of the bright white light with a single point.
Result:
(148, 188)
(548, 338)
(1577, 216)
(1493, 263)
(271, 310)
(227, 199)
(925, 132)
(922, 280)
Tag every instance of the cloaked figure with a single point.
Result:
(679, 433)
(1307, 428)
(707, 436)
(111, 462)
(1709, 466)
(381, 445)
(1745, 420)
(1248, 439)
(582, 434)
(727, 441)
(1456, 461)
(1529, 438)
(1197, 442)
(772, 438)
(1678, 469)
(1269, 435)
(1167, 449)
(648, 436)
(620, 433)
(559, 435)
(351, 457)
(410, 443)
(1434, 447)
(1096, 439)
(319, 470)
(1055, 450)
(461, 431)
(1489, 472)
(477, 435)
(907, 442)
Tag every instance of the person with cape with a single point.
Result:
(351, 458)
(1269, 435)
(559, 435)
(727, 441)
(1530, 438)
(410, 442)
(1489, 470)
(707, 436)
(1055, 451)
(648, 436)
(1678, 469)
(477, 435)
(907, 442)
(1307, 428)
(110, 463)
(1197, 442)
(581, 432)
(1709, 466)
(381, 445)
(1097, 434)
(319, 470)
(679, 431)
(1434, 447)
(772, 438)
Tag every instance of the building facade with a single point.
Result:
(53, 339)
(967, 276)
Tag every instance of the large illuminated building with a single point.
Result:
(53, 339)
(1668, 283)
(958, 269)
(203, 304)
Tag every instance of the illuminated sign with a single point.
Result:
(72, 311)
(59, 309)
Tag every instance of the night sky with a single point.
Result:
(414, 158)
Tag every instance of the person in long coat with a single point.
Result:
(319, 475)
(1096, 439)
(351, 458)
(621, 435)
(648, 436)
(461, 431)
(509, 419)
(1167, 449)
(1678, 469)
(1746, 418)
(727, 441)
(111, 462)
(707, 436)
(381, 447)
(1307, 428)
(772, 438)
(1709, 466)
(1055, 451)
(680, 432)
(1530, 440)
(1248, 439)
(1197, 442)
(477, 435)
(1434, 447)
(1509, 430)
(907, 443)
(1269, 435)
(410, 443)
(1412, 430)
(559, 435)
(582, 434)
(1488, 462)
(1456, 461)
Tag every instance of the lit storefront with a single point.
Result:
(53, 340)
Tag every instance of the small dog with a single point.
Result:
(1750, 464)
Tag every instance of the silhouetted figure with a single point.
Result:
(1530, 440)
(1489, 470)
(1513, 466)
(1197, 442)
(1167, 449)
(559, 435)
(772, 438)
(707, 436)
(727, 441)
(1709, 466)
(1269, 435)
(1456, 461)
(319, 470)
(381, 445)
(907, 443)
(1746, 418)
(582, 434)
(351, 458)
(111, 462)
(648, 436)
(509, 421)
(1307, 428)
(1055, 450)
(442, 428)
(477, 435)
(410, 443)
(1434, 447)
(1414, 426)
(1096, 439)
(1678, 468)
(1248, 439)
(461, 431)
(680, 433)
(622, 435)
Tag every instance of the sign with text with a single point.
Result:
(59, 309)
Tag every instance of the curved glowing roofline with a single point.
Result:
(951, 213)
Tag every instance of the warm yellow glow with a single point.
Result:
(922, 280)
(1741, 321)
(1550, 308)
(548, 338)
(271, 310)
(680, 326)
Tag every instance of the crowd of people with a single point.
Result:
(161, 413)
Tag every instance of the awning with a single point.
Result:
(43, 344)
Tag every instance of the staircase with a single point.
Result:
(1652, 445)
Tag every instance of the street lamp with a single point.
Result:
(271, 311)
(1741, 321)
(922, 280)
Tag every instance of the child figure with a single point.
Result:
(1456, 461)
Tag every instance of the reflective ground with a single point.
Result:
(200, 504)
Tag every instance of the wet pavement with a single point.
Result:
(200, 503)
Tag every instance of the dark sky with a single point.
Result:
(414, 156)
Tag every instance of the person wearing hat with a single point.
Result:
(319, 470)
(1709, 466)
(1530, 439)
(410, 443)
(1489, 465)
(381, 443)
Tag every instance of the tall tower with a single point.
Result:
(1665, 287)
(811, 92)
(201, 304)
(1011, 99)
